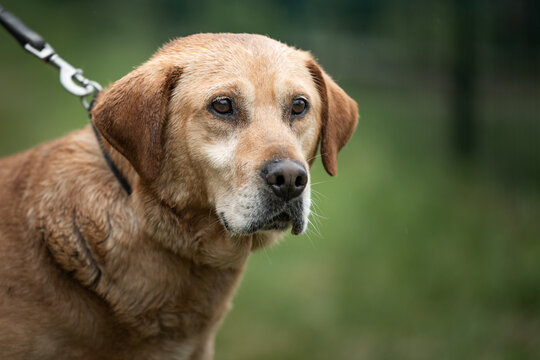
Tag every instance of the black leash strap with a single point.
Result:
(70, 78)
(117, 173)
(21, 32)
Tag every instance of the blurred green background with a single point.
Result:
(427, 244)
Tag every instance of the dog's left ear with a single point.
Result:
(132, 114)
(339, 117)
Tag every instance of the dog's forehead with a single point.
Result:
(220, 57)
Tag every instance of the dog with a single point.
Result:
(127, 239)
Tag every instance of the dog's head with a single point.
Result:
(231, 123)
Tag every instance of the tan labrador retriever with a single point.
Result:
(214, 135)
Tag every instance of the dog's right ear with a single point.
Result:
(131, 116)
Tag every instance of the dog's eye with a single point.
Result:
(299, 106)
(222, 106)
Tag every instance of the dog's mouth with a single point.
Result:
(279, 222)
(290, 216)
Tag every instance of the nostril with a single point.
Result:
(301, 180)
(280, 180)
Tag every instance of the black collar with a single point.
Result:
(116, 172)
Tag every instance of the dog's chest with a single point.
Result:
(175, 319)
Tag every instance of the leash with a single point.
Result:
(72, 79)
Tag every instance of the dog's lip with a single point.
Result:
(282, 221)
(281, 217)
(278, 222)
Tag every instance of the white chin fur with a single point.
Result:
(241, 210)
(306, 202)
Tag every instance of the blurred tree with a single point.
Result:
(464, 78)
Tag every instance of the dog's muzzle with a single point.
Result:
(282, 200)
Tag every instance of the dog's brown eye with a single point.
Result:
(222, 106)
(299, 106)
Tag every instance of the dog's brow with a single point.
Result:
(222, 86)
(295, 87)
(235, 86)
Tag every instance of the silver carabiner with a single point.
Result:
(71, 79)
(84, 99)
(69, 75)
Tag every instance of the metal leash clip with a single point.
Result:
(70, 78)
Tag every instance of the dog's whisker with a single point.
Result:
(319, 194)
(310, 239)
(318, 216)
(320, 182)
(314, 157)
(315, 206)
(315, 228)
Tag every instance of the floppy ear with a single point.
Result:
(132, 114)
(339, 117)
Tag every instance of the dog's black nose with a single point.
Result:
(286, 178)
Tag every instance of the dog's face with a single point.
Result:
(241, 116)
(249, 115)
